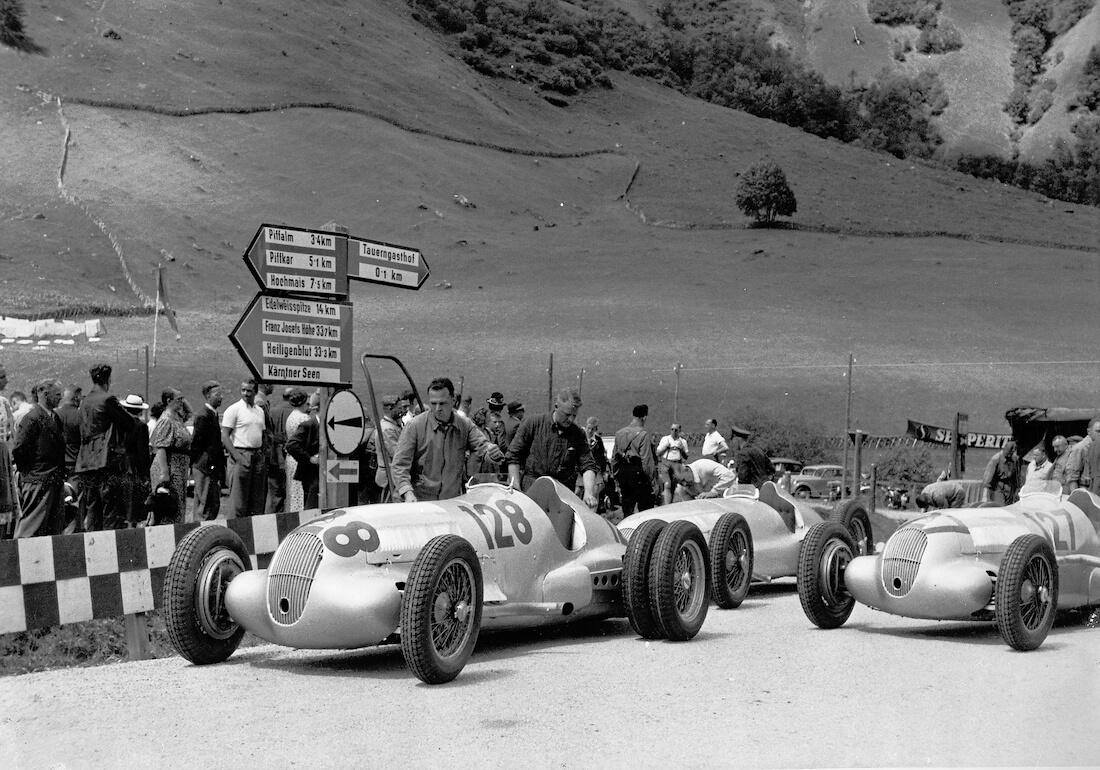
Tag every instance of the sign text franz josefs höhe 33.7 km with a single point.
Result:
(297, 329)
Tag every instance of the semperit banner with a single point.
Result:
(935, 435)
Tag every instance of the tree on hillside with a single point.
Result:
(11, 27)
(905, 463)
(765, 194)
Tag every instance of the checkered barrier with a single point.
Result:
(49, 581)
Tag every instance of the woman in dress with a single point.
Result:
(295, 495)
(171, 466)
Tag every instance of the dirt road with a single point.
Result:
(759, 687)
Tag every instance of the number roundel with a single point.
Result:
(351, 538)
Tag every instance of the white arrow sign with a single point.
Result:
(342, 471)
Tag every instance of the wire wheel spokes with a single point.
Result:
(736, 556)
(1035, 593)
(220, 567)
(688, 571)
(452, 608)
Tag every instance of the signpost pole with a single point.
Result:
(847, 426)
(550, 386)
(676, 395)
(325, 492)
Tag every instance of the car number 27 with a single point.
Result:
(487, 515)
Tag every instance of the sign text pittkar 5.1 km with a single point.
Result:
(385, 263)
(299, 261)
(296, 340)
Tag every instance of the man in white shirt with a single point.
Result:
(243, 436)
(705, 478)
(672, 451)
(714, 446)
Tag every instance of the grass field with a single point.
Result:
(996, 310)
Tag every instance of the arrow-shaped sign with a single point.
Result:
(297, 340)
(385, 263)
(299, 261)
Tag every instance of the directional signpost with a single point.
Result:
(377, 262)
(298, 329)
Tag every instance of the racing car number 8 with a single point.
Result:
(521, 528)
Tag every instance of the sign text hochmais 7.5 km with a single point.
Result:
(298, 329)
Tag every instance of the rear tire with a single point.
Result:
(826, 551)
(202, 565)
(441, 609)
(731, 560)
(1026, 592)
(852, 515)
(678, 585)
(639, 552)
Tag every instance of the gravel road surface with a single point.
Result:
(759, 687)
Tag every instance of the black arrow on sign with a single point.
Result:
(354, 422)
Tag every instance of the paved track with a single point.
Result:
(759, 687)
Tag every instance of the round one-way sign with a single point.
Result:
(345, 422)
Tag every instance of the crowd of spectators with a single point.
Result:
(73, 460)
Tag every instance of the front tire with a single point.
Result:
(826, 551)
(852, 515)
(1027, 592)
(636, 597)
(731, 560)
(678, 585)
(202, 565)
(441, 609)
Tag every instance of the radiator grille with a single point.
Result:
(290, 576)
(901, 560)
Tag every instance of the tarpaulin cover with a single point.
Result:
(1032, 425)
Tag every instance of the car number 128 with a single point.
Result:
(487, 515)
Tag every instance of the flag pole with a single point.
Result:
(156, 318)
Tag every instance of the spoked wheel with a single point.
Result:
(636, 561)
(731, 559)
(825, 554)
(1027, 592)
(852, 515)
(202, 566)
(678, 584)
(441, 609)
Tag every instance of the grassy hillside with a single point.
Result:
(1069, 51)
(558, 256)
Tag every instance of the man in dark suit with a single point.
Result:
(39, 454)
(304, 447)
(208, 455)
(102, 460)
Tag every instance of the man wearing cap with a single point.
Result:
(137, 452)
(389, 431)
(515, 416)
(207, 455)
(102, 462)
(634, 463)
(753, 466)
(430, 460)
(244, 436)
(496, 402)
(552, 444)
(39, 454)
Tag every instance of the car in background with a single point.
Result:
(783, 466)
(818, 481)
